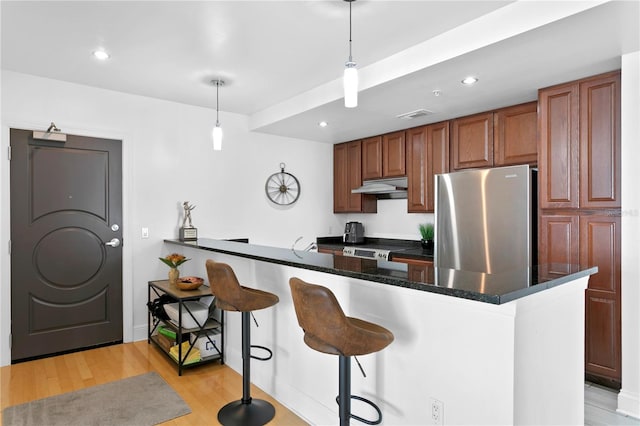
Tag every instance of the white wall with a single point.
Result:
(391, 221)
(629, 397)
(168, 159)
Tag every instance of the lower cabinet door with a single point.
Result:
(559, 239)
(590, 239)
(600, 246)
(602, 334)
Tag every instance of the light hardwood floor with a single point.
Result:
(205, 389)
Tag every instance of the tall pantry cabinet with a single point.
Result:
(580, 206)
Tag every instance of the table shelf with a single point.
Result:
(160, 287)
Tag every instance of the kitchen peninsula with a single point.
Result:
(493, 348)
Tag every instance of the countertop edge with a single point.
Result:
(242, 249)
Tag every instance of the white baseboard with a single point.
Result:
(140, 332)
(629, 404)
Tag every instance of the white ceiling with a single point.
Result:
(283, 60)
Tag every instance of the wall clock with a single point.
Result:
(282, 188)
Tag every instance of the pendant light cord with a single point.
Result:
(350, 57)
(217, 102)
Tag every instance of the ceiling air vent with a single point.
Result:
(414, 114)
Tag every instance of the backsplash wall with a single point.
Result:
(391, 221)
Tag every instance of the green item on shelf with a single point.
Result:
(167, 332)
(426, 231)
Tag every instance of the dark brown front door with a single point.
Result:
(66, 283)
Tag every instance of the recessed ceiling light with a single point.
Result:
(101, 55)
(469, 80)
(323, 124)
(436, 92)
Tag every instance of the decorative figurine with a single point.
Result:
(188, 233)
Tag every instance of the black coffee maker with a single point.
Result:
(353, 233)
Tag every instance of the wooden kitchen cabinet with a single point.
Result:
(590, 239)
(600, 123)
(558, 243)
(347, 175)
(558, 161)
(504, 137)
(579, 159)
(393, 155)
(384, 156)
(600, 246)
(472, 141)
(325, 250)
(515, 135)
(421, 271)
(427, 150)
(372, 158)
(579, 189)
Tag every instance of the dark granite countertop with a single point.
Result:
(489, 288)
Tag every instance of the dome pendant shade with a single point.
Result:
(350, 81)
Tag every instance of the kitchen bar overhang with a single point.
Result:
(494, 288)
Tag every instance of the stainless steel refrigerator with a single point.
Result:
(485, 219)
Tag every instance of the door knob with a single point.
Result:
(113, 243)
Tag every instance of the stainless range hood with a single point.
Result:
(384, 188)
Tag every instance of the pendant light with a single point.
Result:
(217, 130)
(350, 79)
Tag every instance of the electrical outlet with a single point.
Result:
(437, 412)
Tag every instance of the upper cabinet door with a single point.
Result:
(427, 155)
(372, 158)
(558, 127)
(472, 141)
(600, 141)
(384, 156)
(347, 175)
(417, 172)
(515, 135)
(437, 157)
(393, 155)
(340, 180)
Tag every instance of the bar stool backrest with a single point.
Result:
(320, 316)
(230, 295)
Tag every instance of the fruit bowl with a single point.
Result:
(189, 283)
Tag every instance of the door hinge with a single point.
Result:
(9, 247)
(9, 153)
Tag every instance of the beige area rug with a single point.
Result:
(140, 400)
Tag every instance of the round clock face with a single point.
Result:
(282, 188)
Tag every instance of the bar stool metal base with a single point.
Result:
(255, 413)
(344, 396)
(246, 411)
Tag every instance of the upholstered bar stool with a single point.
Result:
(327, 329)
(231, 296)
